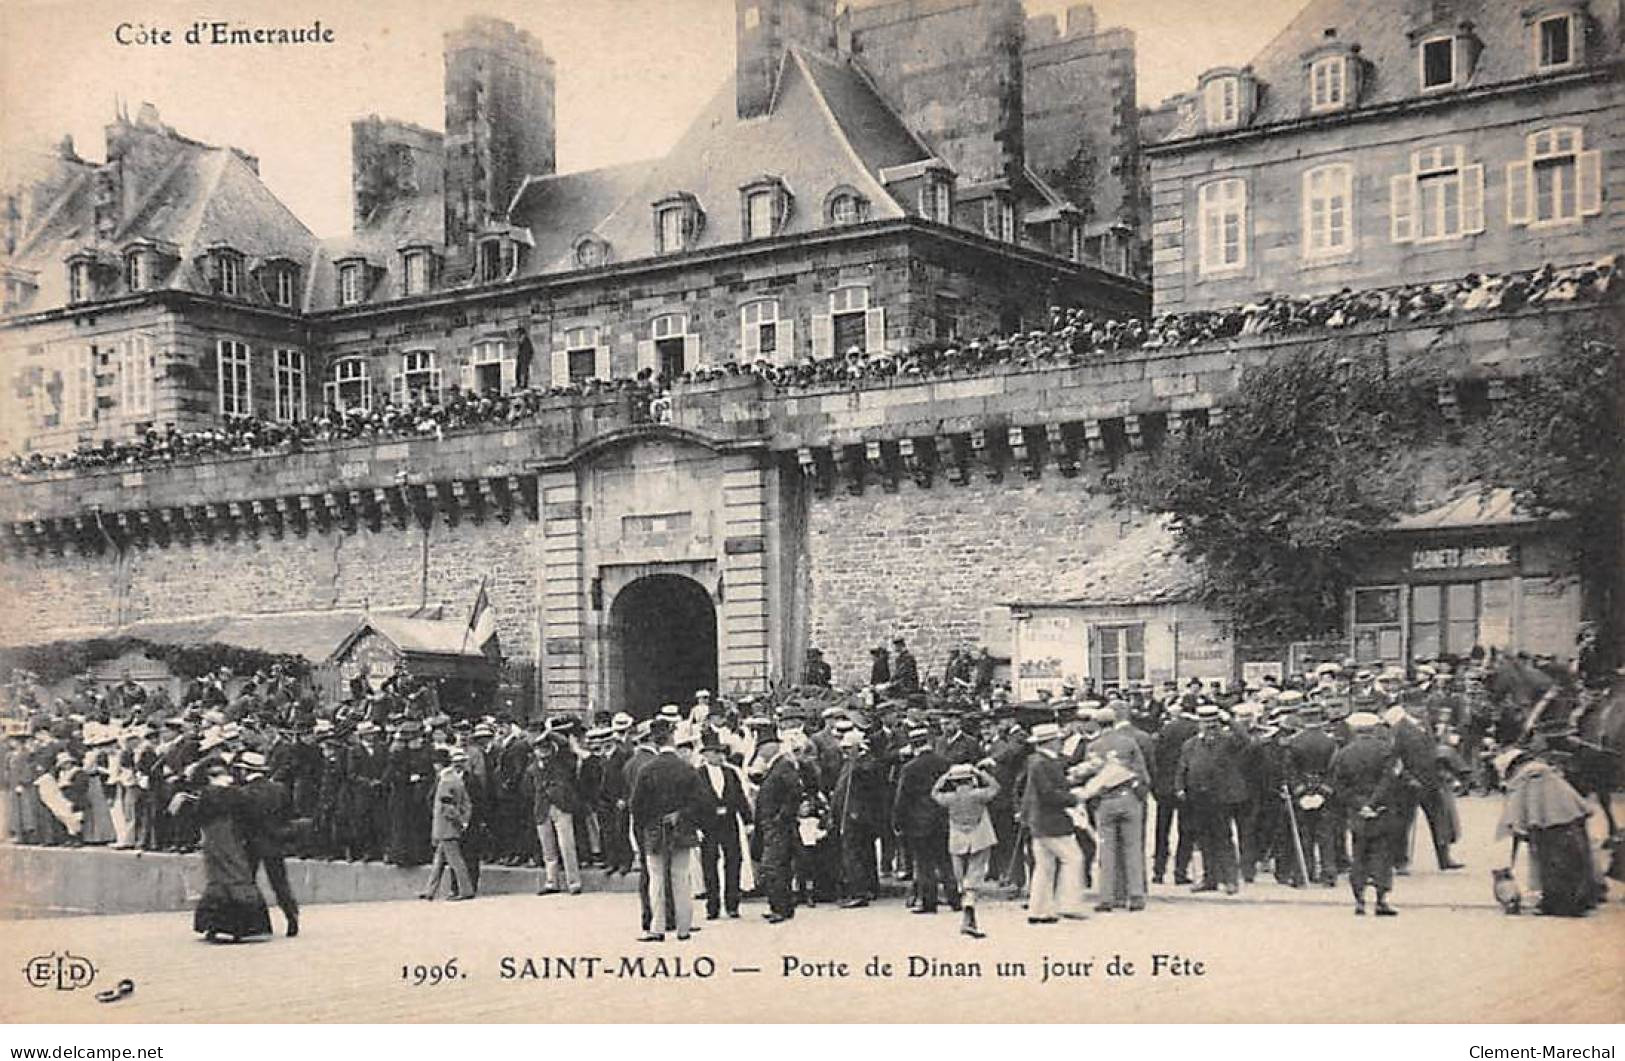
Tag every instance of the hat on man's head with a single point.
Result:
(671, 711)
(843, 725)
(456, 755)
(1394, 715)
(621, 722)
(1207, 713)
(961, 772)
(1289, 698)
(852, 738)
(833, 712)
(702, 694)
(1043, 732)
(919, 733)
(1363, 720)
(251, 761)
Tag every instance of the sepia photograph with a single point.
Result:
(867, 512)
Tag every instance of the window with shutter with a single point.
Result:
(849, 323)
(602, 367)
(1560, 183)
(494, 368)
(1472, 199)
(420, 377)
(349, 385)
(648, 359)
(874, 330)
(784, 341)
(823, 336)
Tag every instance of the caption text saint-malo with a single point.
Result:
(205, 33)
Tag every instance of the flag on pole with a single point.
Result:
(482, 622)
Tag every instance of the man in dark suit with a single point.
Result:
(905, 672)
(727, 810)
(642, 754)
(667, 803)
(923, 824)
(1309, 767)
(367, 811)
(1366, 778)
(1213, 788)
(859, 807)
(777, 801)
(1170, 742)
(1057, 879)
(614, 792)
(958, 745)
(1415, 747)
(267, 811)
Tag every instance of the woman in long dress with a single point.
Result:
(1545, 811)
(98, 809)
(232, 905)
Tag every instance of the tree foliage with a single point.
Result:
(1279, 500)
(59, 660)
(1558, 442)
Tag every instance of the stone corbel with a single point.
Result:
(1176, 424)
(815, 470)
(984, 451)
(362, 504)
(1029, 456)
(1215, 416)
(242, 515)
(130, 528)
(176, 528)
(522, 491)
(1060, 449)
(441, 499)
(291, 517)
(465, 501)
(488, 499)
(1496, 389)
(220, 518)
(1134, 431)
(338, 513)
(264, 514)
(1093, 438)
(389, 501)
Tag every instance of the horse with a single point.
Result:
(1599, 744)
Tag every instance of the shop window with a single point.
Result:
(1444, 619)
(1376, 628)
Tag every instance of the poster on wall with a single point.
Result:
(1050, 652)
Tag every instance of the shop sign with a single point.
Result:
(1452, 559)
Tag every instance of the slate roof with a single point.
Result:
(1380, 28)
(186, 194)
(561, 208)
(313, 635)
(1144, 567)
(827, 128)
(435, 637)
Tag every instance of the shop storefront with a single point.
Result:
(1473, 572)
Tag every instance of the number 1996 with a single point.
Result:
(420, 975)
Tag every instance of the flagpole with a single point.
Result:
(468, 627)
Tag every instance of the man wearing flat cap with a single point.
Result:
(1212, 787)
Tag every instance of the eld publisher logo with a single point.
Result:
(65, 972)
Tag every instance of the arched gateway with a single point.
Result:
(663, 643)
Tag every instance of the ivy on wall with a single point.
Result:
(60, 660)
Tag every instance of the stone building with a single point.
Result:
(1410, 141)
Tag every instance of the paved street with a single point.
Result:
(1269, 954)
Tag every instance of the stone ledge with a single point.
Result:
(55, 881)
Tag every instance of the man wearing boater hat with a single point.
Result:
(1057, 878)
(1366, 776)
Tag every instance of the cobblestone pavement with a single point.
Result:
(1269, 954)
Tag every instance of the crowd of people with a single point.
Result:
(819, 796)
(1070, 337)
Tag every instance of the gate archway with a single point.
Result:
(664, 633)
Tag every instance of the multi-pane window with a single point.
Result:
(1444, 619)
(669, 222)
(79, 386)
(415, 273)
(1220, 102)
(1328, 83)
(669, 332)
(1120, 654)
(1554, 42)
(936, 198)
(420, 377)
(759, 214)
(80, 285)
(1438, 63)
(350, 287)
(136, 271)
(1327, 200)
(1222, 213)
(282, 285)
(289, 382)
(1556, 182)
(581, 350)
(349, 385)
(135, 377)
(759, 328)
(848, 308)
(847, 208)
(1441, 198)
(1376, 629)
(231, 275)
(999, 218)
(236, 394)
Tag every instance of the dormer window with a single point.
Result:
(352, 282)
(999, 217)
(414, 272)
(1438, 63)
(764, 206)
(282, 287)
(937, 196)
(1555, 38)
(1328, 83)
(1227, 96)
(81, 281)
(1219, 102)
(678, 220)
(499, 259)
(137, 270)
(591, 252)
(228, 272)
(846, 207)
